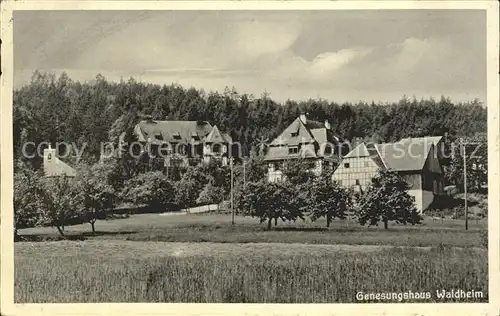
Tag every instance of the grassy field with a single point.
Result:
(218, 228)
(126, 271)
(203, 258)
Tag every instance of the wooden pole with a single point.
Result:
(232, 206)
(465, 187)
(244, 172)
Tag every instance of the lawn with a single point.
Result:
(218, 228)
(204, 258)
(126, 271)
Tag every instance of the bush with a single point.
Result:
(28, 198)
(151, 188)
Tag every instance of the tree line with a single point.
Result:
(96, 191)
(304, 194)
(90, 195)
(58, 109)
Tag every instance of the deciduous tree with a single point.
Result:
(61, 202)
(269, 201)
(328, 199)
(97, 194)
(28, 195)
(151, 189)
(387, 199)
(211, 194)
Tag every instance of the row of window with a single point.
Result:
(293, 150)
(176, 135)
(183, 149)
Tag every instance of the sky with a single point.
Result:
(335, 55)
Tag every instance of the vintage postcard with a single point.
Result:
(250, 158)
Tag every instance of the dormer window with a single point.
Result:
(217, 148)
(182, 149)
(158, 137)
(293, 150)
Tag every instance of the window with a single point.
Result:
(165, 149)
(177, 135)
(347, 165)
(158, 137)
(367, 164)
(311, 165)
(49, 156)
(357, 181)
(181, 149)
(328, 150)
(293, 150)
(217, 148)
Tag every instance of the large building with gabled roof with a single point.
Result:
(417, 161)
(313, 141)
(179, 142)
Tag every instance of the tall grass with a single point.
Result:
(329, 277)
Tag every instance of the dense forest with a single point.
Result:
(59, 109)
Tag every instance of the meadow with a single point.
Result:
(126, 271)
(203, 258)
(218, 228)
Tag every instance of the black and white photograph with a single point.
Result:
(267, 156)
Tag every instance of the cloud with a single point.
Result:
(289, 54)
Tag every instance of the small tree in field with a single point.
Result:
(269, 201)
(297, 171)
(211, 195)
(150, 188)
(97, 194)
(61, 202)
(328, 199)
(190, 186)
(28, 194)
(387, 199)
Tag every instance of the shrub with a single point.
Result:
(150, 188)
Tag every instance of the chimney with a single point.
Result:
(327, 125)
(49, 158)
(303, 118)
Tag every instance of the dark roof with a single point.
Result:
(295, 134)
(427, 139)
(176, 131)
(366, 150)
(312, 132)
(408, 155)
(404, 156)
(215, 136)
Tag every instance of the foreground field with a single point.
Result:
(218, 228)
(126, 271)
